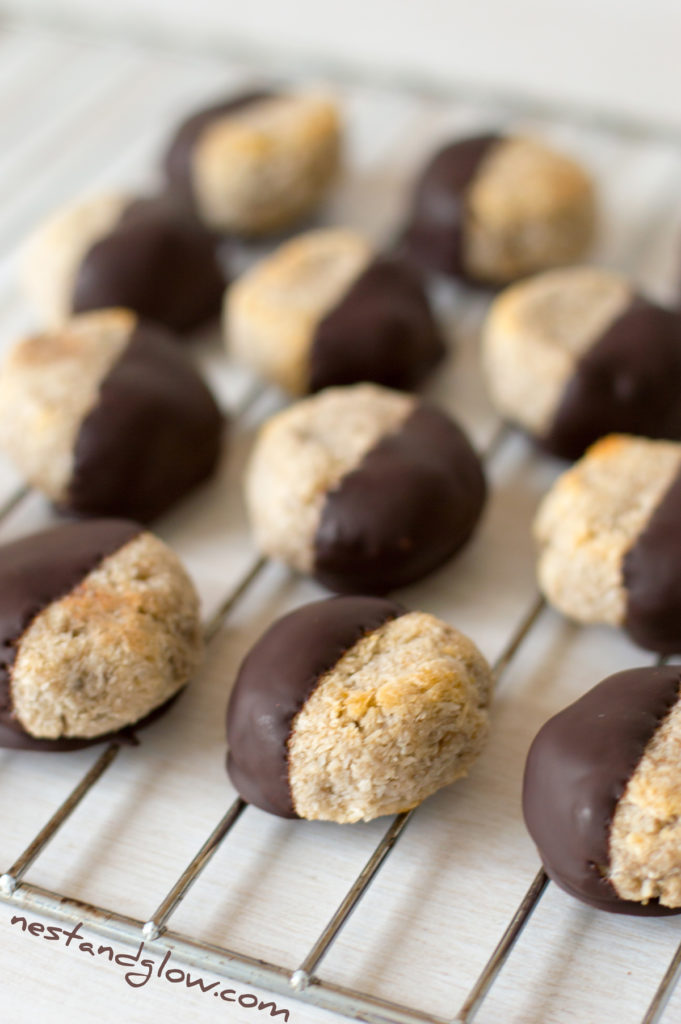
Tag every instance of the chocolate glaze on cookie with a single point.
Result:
(435, 234)
(413, 502)
(652, 578)
(578, 768)
(276, 679)
(34, 572)
(157, 261)
(382, 330)
(628, 382)
(153, 434)
(177, 162)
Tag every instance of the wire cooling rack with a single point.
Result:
(133, 850)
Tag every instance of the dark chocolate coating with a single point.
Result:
(157, 261)
(435, 234)
(153, 435)
(577, 769)
(177, 163)
(413, 502)
(274, 681)
(35, 571)
(652, 578)
(628, 382)
(382, 330)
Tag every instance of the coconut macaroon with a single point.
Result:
(325, 309)
(353, 707)
(610, 541)
(106, 416)
(99, 628)
(366, 488)
(107, 250)
(256, 162)
(602, 793)
(574, 354)
(493, 208)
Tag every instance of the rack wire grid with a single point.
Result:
(300, 909)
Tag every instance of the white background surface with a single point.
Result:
(76, 116)
(621, 55)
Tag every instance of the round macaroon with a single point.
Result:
(609, 537)
(602, 792)
(365, 488)
(99, 628)
(147, 255)
(493, 208)
(573, 354)
(256, 162)
(106, 416)
(353, 707)
(325, 309)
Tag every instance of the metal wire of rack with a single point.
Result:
(301, 981)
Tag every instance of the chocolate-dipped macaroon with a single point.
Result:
(571, 355)
(365, 488)
(353, 707)
(256, 162)
(602, 792)
(325, 309)
(148, 255)
(492, 208)
(106, 416)
(99, 628)
(609, 536)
